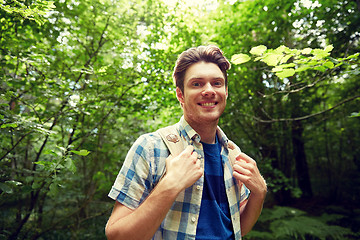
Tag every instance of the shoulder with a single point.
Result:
(232, 146)
(148, 145)
(148, 138)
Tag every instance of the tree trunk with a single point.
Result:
(300, 159)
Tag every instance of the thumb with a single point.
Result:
(189, 149)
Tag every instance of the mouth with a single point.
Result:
(207, 104)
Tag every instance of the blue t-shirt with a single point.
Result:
(215, 219)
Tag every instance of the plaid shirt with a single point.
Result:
(143, 168)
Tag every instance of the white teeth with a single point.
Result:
(208, 104)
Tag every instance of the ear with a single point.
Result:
(179, 95)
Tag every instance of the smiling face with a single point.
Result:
(204, 96)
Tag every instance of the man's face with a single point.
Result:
(205, 93)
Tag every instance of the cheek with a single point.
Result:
(223, 94)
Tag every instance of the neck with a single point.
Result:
(206, 130)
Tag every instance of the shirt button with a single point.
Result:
(198, 187)
(193, 219)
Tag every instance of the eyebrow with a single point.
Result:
(200, 78)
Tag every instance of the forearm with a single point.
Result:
(251, 212)
(247, 172)
(143, 222)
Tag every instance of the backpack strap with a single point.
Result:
(171, 138)
(174, 143)
(233, 152)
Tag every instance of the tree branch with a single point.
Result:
(303, 117)
(13, 147)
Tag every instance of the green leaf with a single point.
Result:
(82, 152)
(352, 56)
(240, 58)
(277, 69)
(61, 148)
(306, 51)
(289, 65)
(5, 188)
(53, 189)
(9, 125)
(285, 58)
(286, 73)
(320, 68)
(14, 183)
(48, 151)
(272, 59)
(329, 48)
(320, 54)
(355, 114)
(281, 49)
(329, 65)
(69, 164)
(339, 64)
(42, 163)
(36, 185)
(302, 68)
(258, 50)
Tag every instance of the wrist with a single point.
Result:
(170, 185)
(259, 194)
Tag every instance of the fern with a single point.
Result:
(302, 227)
(284, 223)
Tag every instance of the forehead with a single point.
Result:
(203, 70)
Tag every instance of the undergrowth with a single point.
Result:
(283, 223)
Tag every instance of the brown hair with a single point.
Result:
(210, 53)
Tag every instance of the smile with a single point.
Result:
(208, 104)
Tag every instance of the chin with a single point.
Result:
(210, 118)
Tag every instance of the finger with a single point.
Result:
(241, 170)
(244, 157)
(198, 163)
(189, 149)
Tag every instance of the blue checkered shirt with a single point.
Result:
(143, 168)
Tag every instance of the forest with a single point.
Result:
(80, 81)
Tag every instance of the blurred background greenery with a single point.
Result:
(81, 80)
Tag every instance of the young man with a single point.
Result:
(204, 193)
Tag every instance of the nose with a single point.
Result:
(208, 90)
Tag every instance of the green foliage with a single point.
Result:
(300, 60)
(292, 223)
(81, 80)
(277, 181)
(36, 11)
(73, 92)
(283, 103)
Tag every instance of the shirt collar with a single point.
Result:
(191, 135)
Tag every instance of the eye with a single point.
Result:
(196, 84)
(218, 83)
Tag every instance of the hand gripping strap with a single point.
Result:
(233, 152)
(172, 140)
